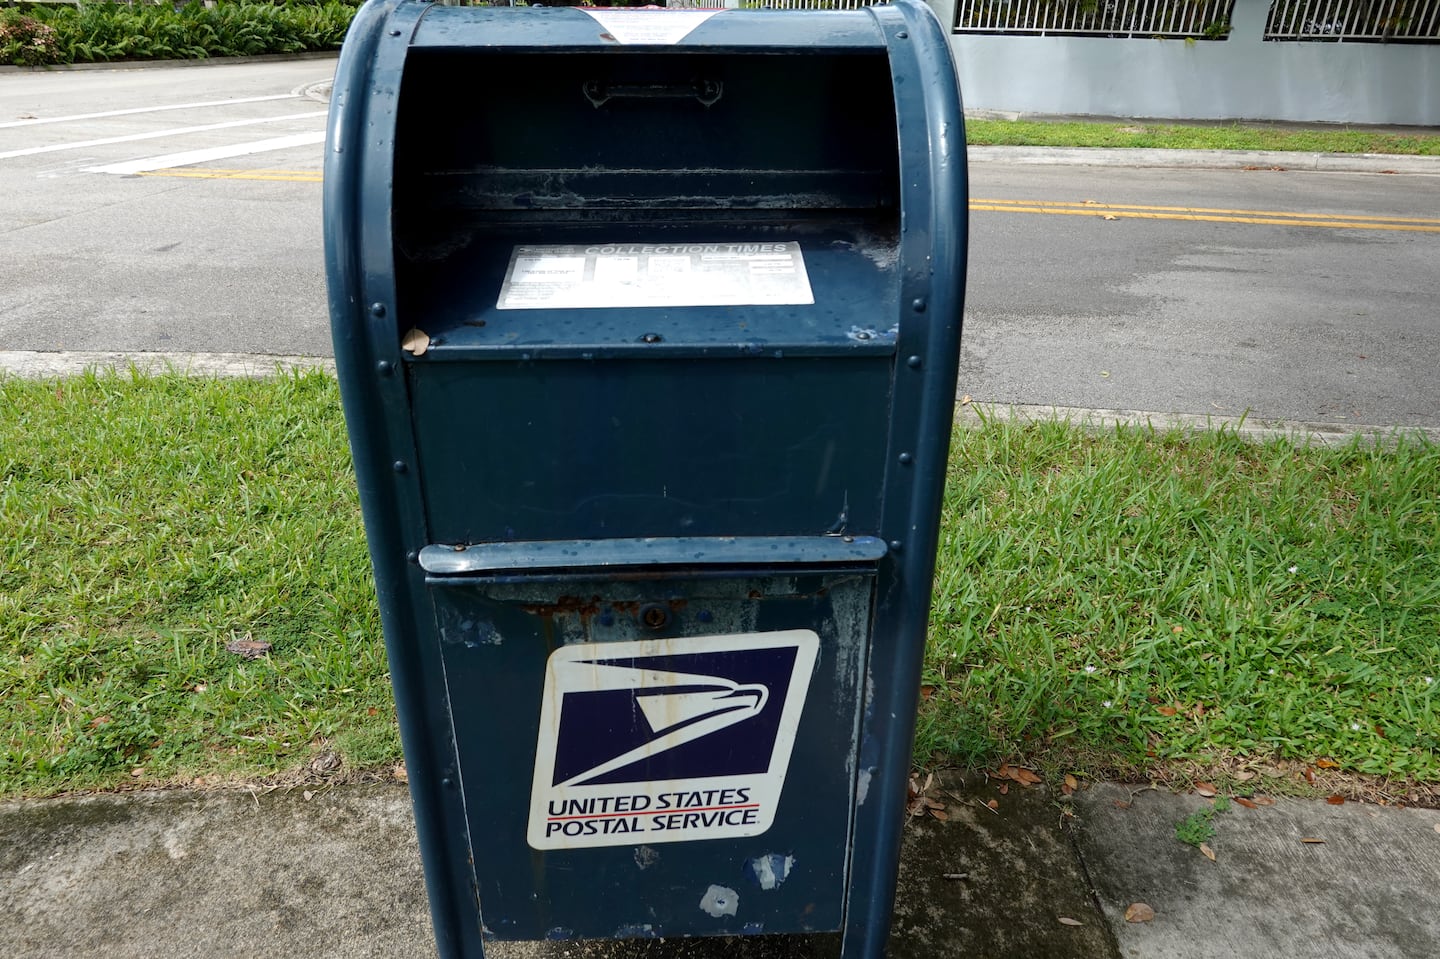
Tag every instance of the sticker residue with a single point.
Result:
(720, 901)
(772, 870)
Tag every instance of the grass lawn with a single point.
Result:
(1107, 602)
(1181, 137)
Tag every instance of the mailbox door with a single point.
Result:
(694, 766)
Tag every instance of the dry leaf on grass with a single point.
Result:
(1207, 790)
(994, 804)
(1327, 764)
(1067, 921)
(1166, 710)
(1264, 801)
(1241, 800)
(1245, 775)
(1335, 800)
(1139, 912)
(401, 774)
(940, 814)
(1207, 852)
(247, 647)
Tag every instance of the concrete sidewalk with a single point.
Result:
(1282, 160)
(1208, 159)
(215, 874)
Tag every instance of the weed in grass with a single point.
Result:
(1198, 827)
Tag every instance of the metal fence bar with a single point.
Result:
(1178, 19)
(1413, 21)
(1326, 20)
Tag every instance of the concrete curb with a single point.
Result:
(1250, 427)
(1276, 160)
(155, 64)
(33, 364)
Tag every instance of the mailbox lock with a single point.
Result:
(654, 617)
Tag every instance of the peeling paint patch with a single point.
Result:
(862, 785)
(771, 870)
(637, 930)
(720, 901)
(863, 333)
(645, 857)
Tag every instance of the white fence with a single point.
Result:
(1169, 19)
(1265, 69)
(1371, 21)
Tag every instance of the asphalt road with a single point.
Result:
(1287, 295)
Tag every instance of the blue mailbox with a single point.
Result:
(647, 326)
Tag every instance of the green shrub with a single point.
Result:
(106, 32)
(26, 41)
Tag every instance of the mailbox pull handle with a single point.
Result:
(615, 554)
(600, 92)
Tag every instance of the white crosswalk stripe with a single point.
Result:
(131, 167)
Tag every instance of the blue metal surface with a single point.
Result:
(622, 434)
(934, 228)
(595, 554)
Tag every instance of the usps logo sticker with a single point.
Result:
(667, 740)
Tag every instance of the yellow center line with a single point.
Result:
(1092, 205)
(1276, 220)
(205, 173)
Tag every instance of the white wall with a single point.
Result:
(1243, 77)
